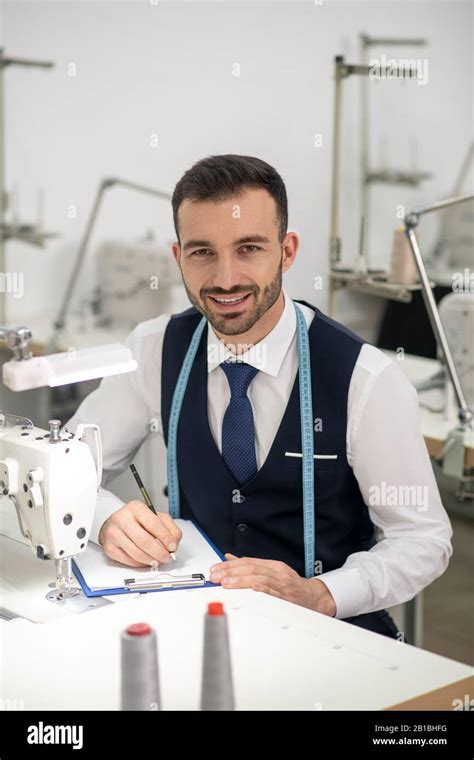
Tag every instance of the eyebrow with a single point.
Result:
(240, 241)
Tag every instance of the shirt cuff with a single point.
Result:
(107, 503)
(348, 591)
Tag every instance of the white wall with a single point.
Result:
(167, 69)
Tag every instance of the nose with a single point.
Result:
(226, 275)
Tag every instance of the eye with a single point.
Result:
(246, 248)
(200, 252)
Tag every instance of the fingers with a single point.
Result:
(246, 569)
(146, 543)
(120, 548)
(119, 555)
(256, 582)
(161, 526)
(252, 564)
(175, 531)
(266, 589)
(268, 576)
(137, 532)
(138, 548)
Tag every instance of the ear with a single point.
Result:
(290, 247)
(176, 248)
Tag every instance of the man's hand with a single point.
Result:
(136, 537)
(274, 578)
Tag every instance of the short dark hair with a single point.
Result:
(216, 178)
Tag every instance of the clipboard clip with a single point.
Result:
(176, 581)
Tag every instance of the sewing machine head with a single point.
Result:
(52, 479)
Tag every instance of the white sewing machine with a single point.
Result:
(51, 479)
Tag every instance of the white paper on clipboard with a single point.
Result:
(194, 555)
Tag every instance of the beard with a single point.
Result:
(237, 323)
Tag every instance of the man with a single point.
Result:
(240, 421)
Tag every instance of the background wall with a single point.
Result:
(167, 69)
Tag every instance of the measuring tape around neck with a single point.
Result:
(307, 445)
(306, 415)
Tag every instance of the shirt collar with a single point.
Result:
(267, 355)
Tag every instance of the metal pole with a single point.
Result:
(140, 188)
(335, 253)
(60, 321)
(363, 263)
(104, 185)
(438, 249)
(394, 41)
(411, 222)
(2, 190)
(4, 62)
(334, 241)
(444, 204)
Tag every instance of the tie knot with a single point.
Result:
(239, 375)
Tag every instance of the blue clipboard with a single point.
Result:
(123, 590)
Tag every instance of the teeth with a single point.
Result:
(229, 300)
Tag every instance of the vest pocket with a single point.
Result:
(320, 463)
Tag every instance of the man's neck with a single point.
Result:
(240, 343)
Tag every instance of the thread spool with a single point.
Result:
(402, 264)
(217, 690)
(140, 688)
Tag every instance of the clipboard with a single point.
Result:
(134, 586)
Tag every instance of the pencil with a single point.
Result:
(145, 495)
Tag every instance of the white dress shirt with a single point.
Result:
(384, 446)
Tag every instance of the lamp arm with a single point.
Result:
(411, 222)
(104, 185)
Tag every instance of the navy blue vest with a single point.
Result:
(263, 517)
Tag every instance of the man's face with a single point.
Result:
(231, 259)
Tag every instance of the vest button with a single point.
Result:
(242, 527)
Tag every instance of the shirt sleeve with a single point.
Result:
(395, 476)
(119, 407)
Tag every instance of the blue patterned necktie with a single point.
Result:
(238, 432)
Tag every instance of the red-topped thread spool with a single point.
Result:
(215, 608)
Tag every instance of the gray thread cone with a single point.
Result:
(140, 687)
(217, 691)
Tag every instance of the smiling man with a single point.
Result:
(239, 435)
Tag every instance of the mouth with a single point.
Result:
(229, 303)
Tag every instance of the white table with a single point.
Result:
(284, 656)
